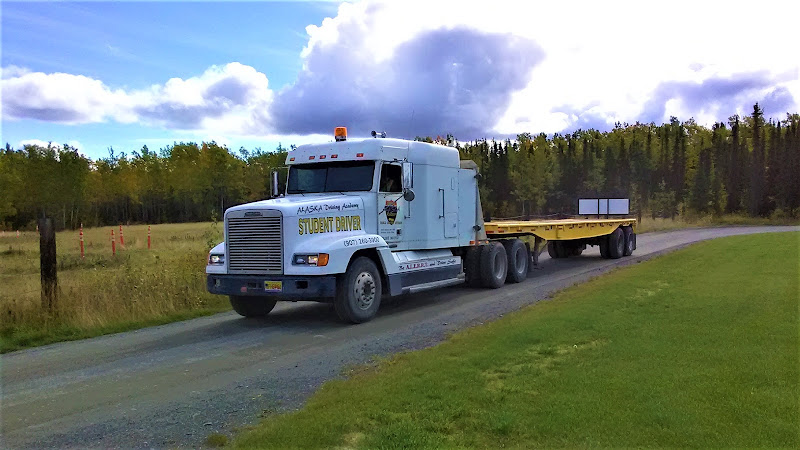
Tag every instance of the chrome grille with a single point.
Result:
(254, 242)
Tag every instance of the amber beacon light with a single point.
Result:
(340, 133)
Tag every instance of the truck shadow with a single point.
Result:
(315, 316)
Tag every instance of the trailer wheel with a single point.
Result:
(472, 266)
(252, 306)
(630, 241)
(518, 259)
(551, 249)
(576, 249)
(616, 244)
(557, 249)
(494, 265)
(603, 247)
(358, 292)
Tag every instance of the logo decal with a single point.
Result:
(391, 211)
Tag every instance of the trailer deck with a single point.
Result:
(556, 229)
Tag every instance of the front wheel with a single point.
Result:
(358, 294)
(252, 306)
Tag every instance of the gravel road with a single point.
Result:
(173, 385)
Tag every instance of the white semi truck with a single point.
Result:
(365, 219)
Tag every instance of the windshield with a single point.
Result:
(331, 177)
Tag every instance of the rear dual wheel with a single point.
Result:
(519, 258)
(621, 242)
(494, 265)
(630, 241)
(497, 263)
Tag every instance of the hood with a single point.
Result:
(300, 205)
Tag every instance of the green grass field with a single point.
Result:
(698, 348)
(103, 293)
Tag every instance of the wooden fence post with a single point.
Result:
(47, 257)
(81, 240)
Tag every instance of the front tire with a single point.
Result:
(358, 292)
(252, 306)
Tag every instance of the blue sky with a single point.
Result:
(133, 45)
(126, 74)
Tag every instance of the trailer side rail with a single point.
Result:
(557, 229)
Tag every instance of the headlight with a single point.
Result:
(315, 259)
(216, 259)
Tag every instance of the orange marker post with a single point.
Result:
(113, 244)
(148, 237)
(121, 237)
(17, 233)
(81, 239)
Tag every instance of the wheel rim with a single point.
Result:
(498, 265)
(364, 290)
(520, 261)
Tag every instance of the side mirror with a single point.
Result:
(408, 194)
(274, 185)
(408, 179)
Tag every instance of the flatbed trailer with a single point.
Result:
(569, 237)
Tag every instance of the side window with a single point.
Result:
(391, 177)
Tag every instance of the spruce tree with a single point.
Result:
(757, 171)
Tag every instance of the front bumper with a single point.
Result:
(293, 287)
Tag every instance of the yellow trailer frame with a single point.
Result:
(556, 229)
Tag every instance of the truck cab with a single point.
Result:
(360, 220)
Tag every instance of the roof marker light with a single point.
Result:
(334, 156)
(359, 155)
(321, 156)
(310, 157)
(291, 159)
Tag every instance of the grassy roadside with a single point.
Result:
(649, 224)
(697, 348)
(102, 293)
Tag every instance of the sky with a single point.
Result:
(254, 74)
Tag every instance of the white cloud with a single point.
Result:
(58, 97)
(603, 60)
(233, 98)
(467, 67)
(12, 71)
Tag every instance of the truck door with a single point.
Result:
(391, 205)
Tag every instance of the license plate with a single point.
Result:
(273, 286)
